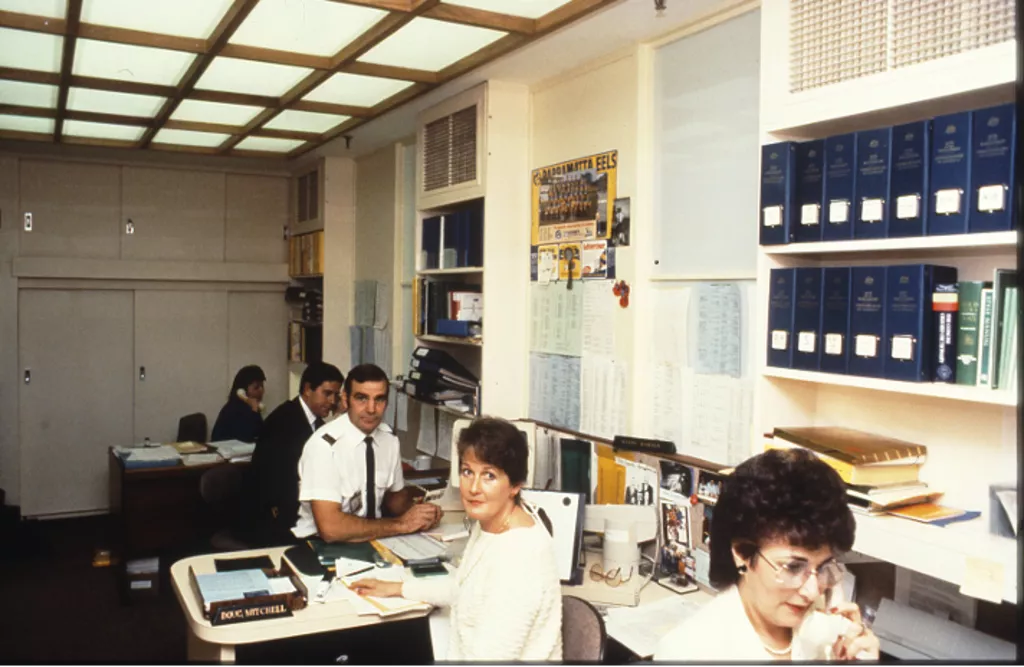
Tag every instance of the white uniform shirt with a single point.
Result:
(337, 472)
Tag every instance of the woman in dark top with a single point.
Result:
(240, 418)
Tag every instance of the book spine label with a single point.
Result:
(993, 153)
(874, 156)
(840, 180)
(807, 319)
(909, 340)
(867, 321)
(810, 164)
(835, 319)
(968, 332)
(950, 174)
(780, 318)
(945, 308)
(909, 184)
(985, 342)
(777, 168)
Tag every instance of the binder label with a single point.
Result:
(834, 344)
(805, 341)
(903, 348)
(809, 214)
(991, 198)
(838, 211)
(871, 210)
(947, 202)
(866, 345)
(908, 207)
(772, 216)
(780, 339)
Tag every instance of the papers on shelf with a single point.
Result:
(233, 449)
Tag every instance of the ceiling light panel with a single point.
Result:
(55, 9)
(125, 62)
(26, 124)
(356, 90)
(430, 45)
(305, 121)
(247, 76)
(79, 128)
(531, 9)
(268, 144)
(190, 138)
(30, 50)
(28, 94)
(314, 27)
(104, 101)
(215, 112)
(185, 18)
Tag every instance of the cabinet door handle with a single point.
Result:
(142, 372)
(28, 376)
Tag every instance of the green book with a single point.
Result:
(1007, 337)
(968, 332)
(1004, 280)
(985, 341)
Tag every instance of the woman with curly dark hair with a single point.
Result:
(779, 526)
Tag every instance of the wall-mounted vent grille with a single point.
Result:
(449, 150)
(837, 40)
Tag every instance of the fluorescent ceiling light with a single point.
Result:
(80, 128)
(314, 27)
(247, 76)
(130, 63)
(26, 124)
(531, 9)
(55, 9)
(185, 18)
(215, 112)
(104, 101)
(30, 50)
(190, 138)
(431, 45)
(268, 144)
(356, 90)
(305, 121)
(28, 94)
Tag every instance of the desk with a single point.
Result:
(218, 643)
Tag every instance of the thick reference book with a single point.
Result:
(909, 339)
(993, 154)
(781, 296)
(968, 331)
(867, 321)
(908, 208)
(430, 243)
(777, 192)
(870, 474)
(840, 181)
(852, 446)
(950, 174)
(807, 219)
(807, 319)
(835, 319)
(872, 187)
(945, 307)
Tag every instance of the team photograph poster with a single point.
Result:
(570, 200)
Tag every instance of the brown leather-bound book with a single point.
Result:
(856, 448)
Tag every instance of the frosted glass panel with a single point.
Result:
(304, 121)
(315, 27)
(78, 128)
(55, 9)
(268, 144)
(531, 9)
(28, 94)
(26, 124)
(126, 62)
(215, 112)
(185, 18)
(706, 151)
(247, 76)
(30, 50)
(355, 89)
(430, 45)
(189, 138)
(105, 101)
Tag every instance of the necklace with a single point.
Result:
(779, 651)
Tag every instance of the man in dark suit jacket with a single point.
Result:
(272, 487)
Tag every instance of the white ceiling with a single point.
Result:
(605, 32)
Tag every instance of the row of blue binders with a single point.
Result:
(952, 174)
(874, 321)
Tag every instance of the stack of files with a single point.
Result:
(160, 456)
(875, 500)
(862, 459)
(189, 447)
(436, 377)
(234, 450)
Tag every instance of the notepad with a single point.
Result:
(383, 607)
(234, 585)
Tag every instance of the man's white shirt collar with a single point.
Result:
(310, 417)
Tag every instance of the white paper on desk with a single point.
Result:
(280, 585)
(158, 453)
(718, 314)
(426, 442)
(599, 305)
(200, 459)
(640, 628)
(222, 586)
(445, 432)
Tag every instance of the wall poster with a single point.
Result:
(570, 201)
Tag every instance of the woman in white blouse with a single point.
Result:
(505, 597)
(779, 525)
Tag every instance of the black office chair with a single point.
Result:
(583, 632)
(192, 428)
(221, 490)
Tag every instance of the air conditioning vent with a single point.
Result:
(449, 150)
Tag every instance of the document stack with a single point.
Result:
(436, 377)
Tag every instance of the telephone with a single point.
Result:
(245, 397)
(820, 629)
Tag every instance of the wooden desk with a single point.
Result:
(218, 643)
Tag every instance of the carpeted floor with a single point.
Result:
(56, 607)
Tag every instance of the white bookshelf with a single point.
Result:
(461, 270)
(936, 246)
(452, 340)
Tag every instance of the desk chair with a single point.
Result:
(583, 632)
(221, 490)
(192, 427)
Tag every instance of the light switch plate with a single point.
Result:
(28, 222)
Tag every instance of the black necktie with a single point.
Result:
(317, 423)
(371, 488)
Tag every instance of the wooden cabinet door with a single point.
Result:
(76, 210)
(181, 342)
(77, 346)
(177, 214)
(258, 334)
(257, 213)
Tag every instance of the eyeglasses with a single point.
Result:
(795, 573)
(613, 577)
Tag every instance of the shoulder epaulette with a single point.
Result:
(329, 439)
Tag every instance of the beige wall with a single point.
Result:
(10, 454)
